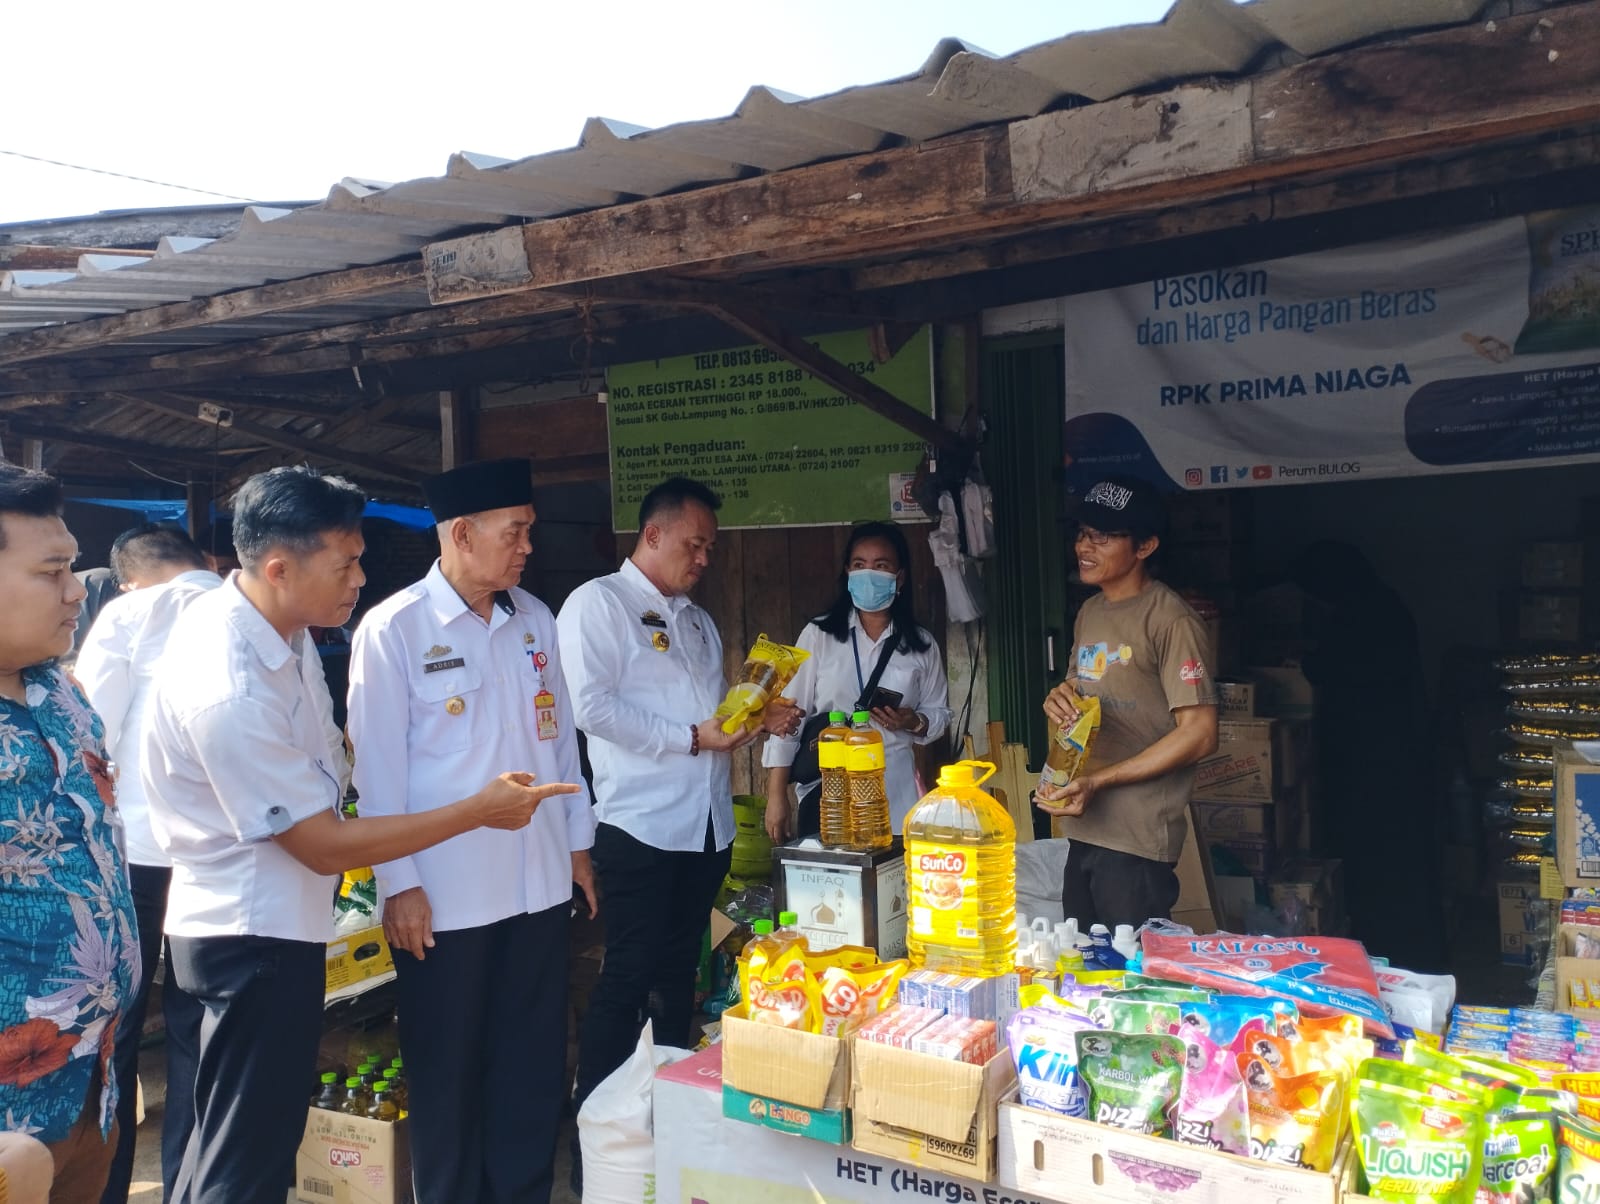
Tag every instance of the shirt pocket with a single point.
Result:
(446, 708)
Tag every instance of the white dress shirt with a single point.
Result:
(440, 702)
(832, 679)
(643, 670)
(233, 753)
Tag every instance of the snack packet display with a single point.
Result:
(767, 670)
(1519, 1159)
(1212, 1107)
(846, 998)
(1325, 976)
(1132, 1080)
(1044, 1045)
(1295, 1119)
(1415, 1149)
(1070, 747)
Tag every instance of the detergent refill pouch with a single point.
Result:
(1132, 1079)
(1213, 1110)
(1416, 1149)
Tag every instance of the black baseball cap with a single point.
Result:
(1119, 505)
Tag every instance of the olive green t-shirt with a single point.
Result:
(1143, 657)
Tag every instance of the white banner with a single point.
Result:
(1444, 353)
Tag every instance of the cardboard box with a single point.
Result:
(1553, 566)
(805, 1069)
(1582, 972)
(1257, 858)
(353, 1160)
(1310, 881)
(1236, 699)
(1278, 823)
(356, 958)
(1549, 618)
(1257, 761)
(1282, 692)
(1062, 1158)
(1577, 819)
(927, 1111)
(1525, 923)
(828, 1125)
(1196, 905)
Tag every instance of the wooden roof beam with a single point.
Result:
(132, 448)
(1440, 93)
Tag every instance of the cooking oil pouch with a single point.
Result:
(1416, 1149)
(1295, 1120)
(1121, 1015)
(1577, 1159)
(847, 957)
(782, 993)
(848, 998)
(1132, 1079)
(1519, 1159)
(1073, 746)
(1212, 1108)
(1044, 1046)
(767, 670)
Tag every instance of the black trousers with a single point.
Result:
(483, 1030)
(656, 906)
(262, 1000)
(1103, 886)
(181, 1012)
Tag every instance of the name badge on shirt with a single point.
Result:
(651, 619)
(544, 710)
(455, 662)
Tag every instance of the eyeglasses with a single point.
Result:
(1098, 538)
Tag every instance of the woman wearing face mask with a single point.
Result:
(911, 704)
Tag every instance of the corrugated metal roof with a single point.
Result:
(957, 88)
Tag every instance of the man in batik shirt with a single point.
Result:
(69, 955)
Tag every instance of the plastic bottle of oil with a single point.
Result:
(869, 798)
(831, 755)
(961, 869)
(383, 1106)
(328, 1095)
(356, 1101)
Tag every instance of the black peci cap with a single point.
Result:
(474, 488)
(1123, 505)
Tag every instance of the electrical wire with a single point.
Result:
(157, 475)
(100, 171)
(974, 634)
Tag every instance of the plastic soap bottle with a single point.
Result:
(835, 798)
(961, 871)
(869, 798)
(1125, 942)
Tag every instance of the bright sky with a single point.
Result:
(278, 101)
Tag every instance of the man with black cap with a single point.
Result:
(1146, 655)
(452, 676)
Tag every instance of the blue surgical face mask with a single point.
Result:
(872, 590)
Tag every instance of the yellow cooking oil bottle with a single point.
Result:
(835, 804)
(961, 867)
(869, 797)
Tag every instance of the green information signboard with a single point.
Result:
(780, 446)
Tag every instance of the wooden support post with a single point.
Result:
(456, 407)
(198, 497)
(33, 454)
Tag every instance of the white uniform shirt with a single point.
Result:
(643, 670)
(441, 702)
(832, 680)
(233, 753)
(116, 668)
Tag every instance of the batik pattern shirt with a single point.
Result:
(69, 946)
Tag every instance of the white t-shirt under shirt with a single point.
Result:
(1144, 658)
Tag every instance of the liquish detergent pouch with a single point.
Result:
(1132, 1079)
(1519, 1159)
(1425, 1082)
(849, 998)
(1577, 1159)
(1504, 1082)
(1295, 1119)
(1223, 1017)
(1044, 1046)
(1324, 976)
(1416, 1149)
(1212, 1108)
(1122, 1015)
(767, 670)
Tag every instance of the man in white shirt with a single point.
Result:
(644, 666)
(451, 676)
(245, 799)
(161, 571)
